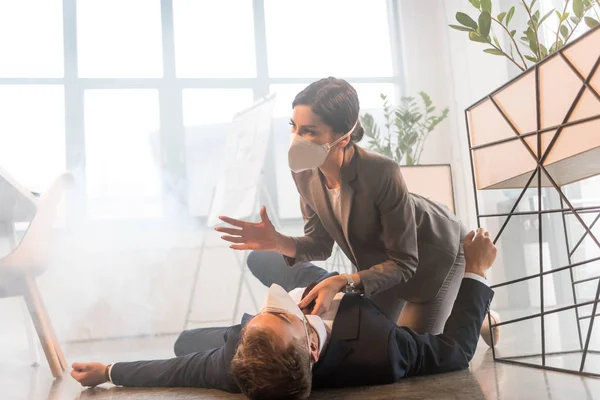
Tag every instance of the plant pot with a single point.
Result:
(432, 181)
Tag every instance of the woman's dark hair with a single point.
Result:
(335, 101)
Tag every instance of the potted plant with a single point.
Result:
(407, 127)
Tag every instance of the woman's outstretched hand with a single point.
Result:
(250, 235)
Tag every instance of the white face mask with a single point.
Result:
(304, 154)
(278, 301)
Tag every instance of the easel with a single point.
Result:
(275, 221)
(241, 260)
(260, 189)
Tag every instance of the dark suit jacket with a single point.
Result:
(365, 349)
(389, 234)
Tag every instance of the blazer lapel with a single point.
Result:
(345, 327)
(347, 194)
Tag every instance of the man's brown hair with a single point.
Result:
(264, 368)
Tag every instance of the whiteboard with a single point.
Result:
(239, 183)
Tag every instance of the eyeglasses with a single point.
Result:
(306, 332)
(304, 322)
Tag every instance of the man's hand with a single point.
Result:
(480, 252)
(89, 374)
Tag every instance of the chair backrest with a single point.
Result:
(32, 252)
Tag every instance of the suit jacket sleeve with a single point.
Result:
(399, 234)
(206, 369)
(454, 348)
(316, 244)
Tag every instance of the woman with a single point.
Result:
(358, 199)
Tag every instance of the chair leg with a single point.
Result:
(29, 332)
(43, 326)
(57, 348)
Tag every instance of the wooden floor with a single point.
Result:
(485, 380)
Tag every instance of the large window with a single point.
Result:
(134, 96)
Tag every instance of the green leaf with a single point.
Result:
(426, 99)
(591, 22)
(494, 52)
(476, 3)
(486, 5)
(575, 20)
(545, 17)
(512, 33)
(476, 37)
(543, 51)
(501, 16)
(534, 46)
(530, 58)
(465, 20)
(556, 46)
(496, 42)
(532, 41)
(564, 31)
(510, 14)
(485, 23)
(532, 4)
(536, 16)
(578, 8)
(461, 28)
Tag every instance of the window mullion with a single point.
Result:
(74, 116)
(172, 161)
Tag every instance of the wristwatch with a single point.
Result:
(350, 285)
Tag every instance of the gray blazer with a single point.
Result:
(386, 232)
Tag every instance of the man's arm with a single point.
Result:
(454, 348)
(206, 369)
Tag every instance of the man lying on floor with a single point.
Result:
(282, 353)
